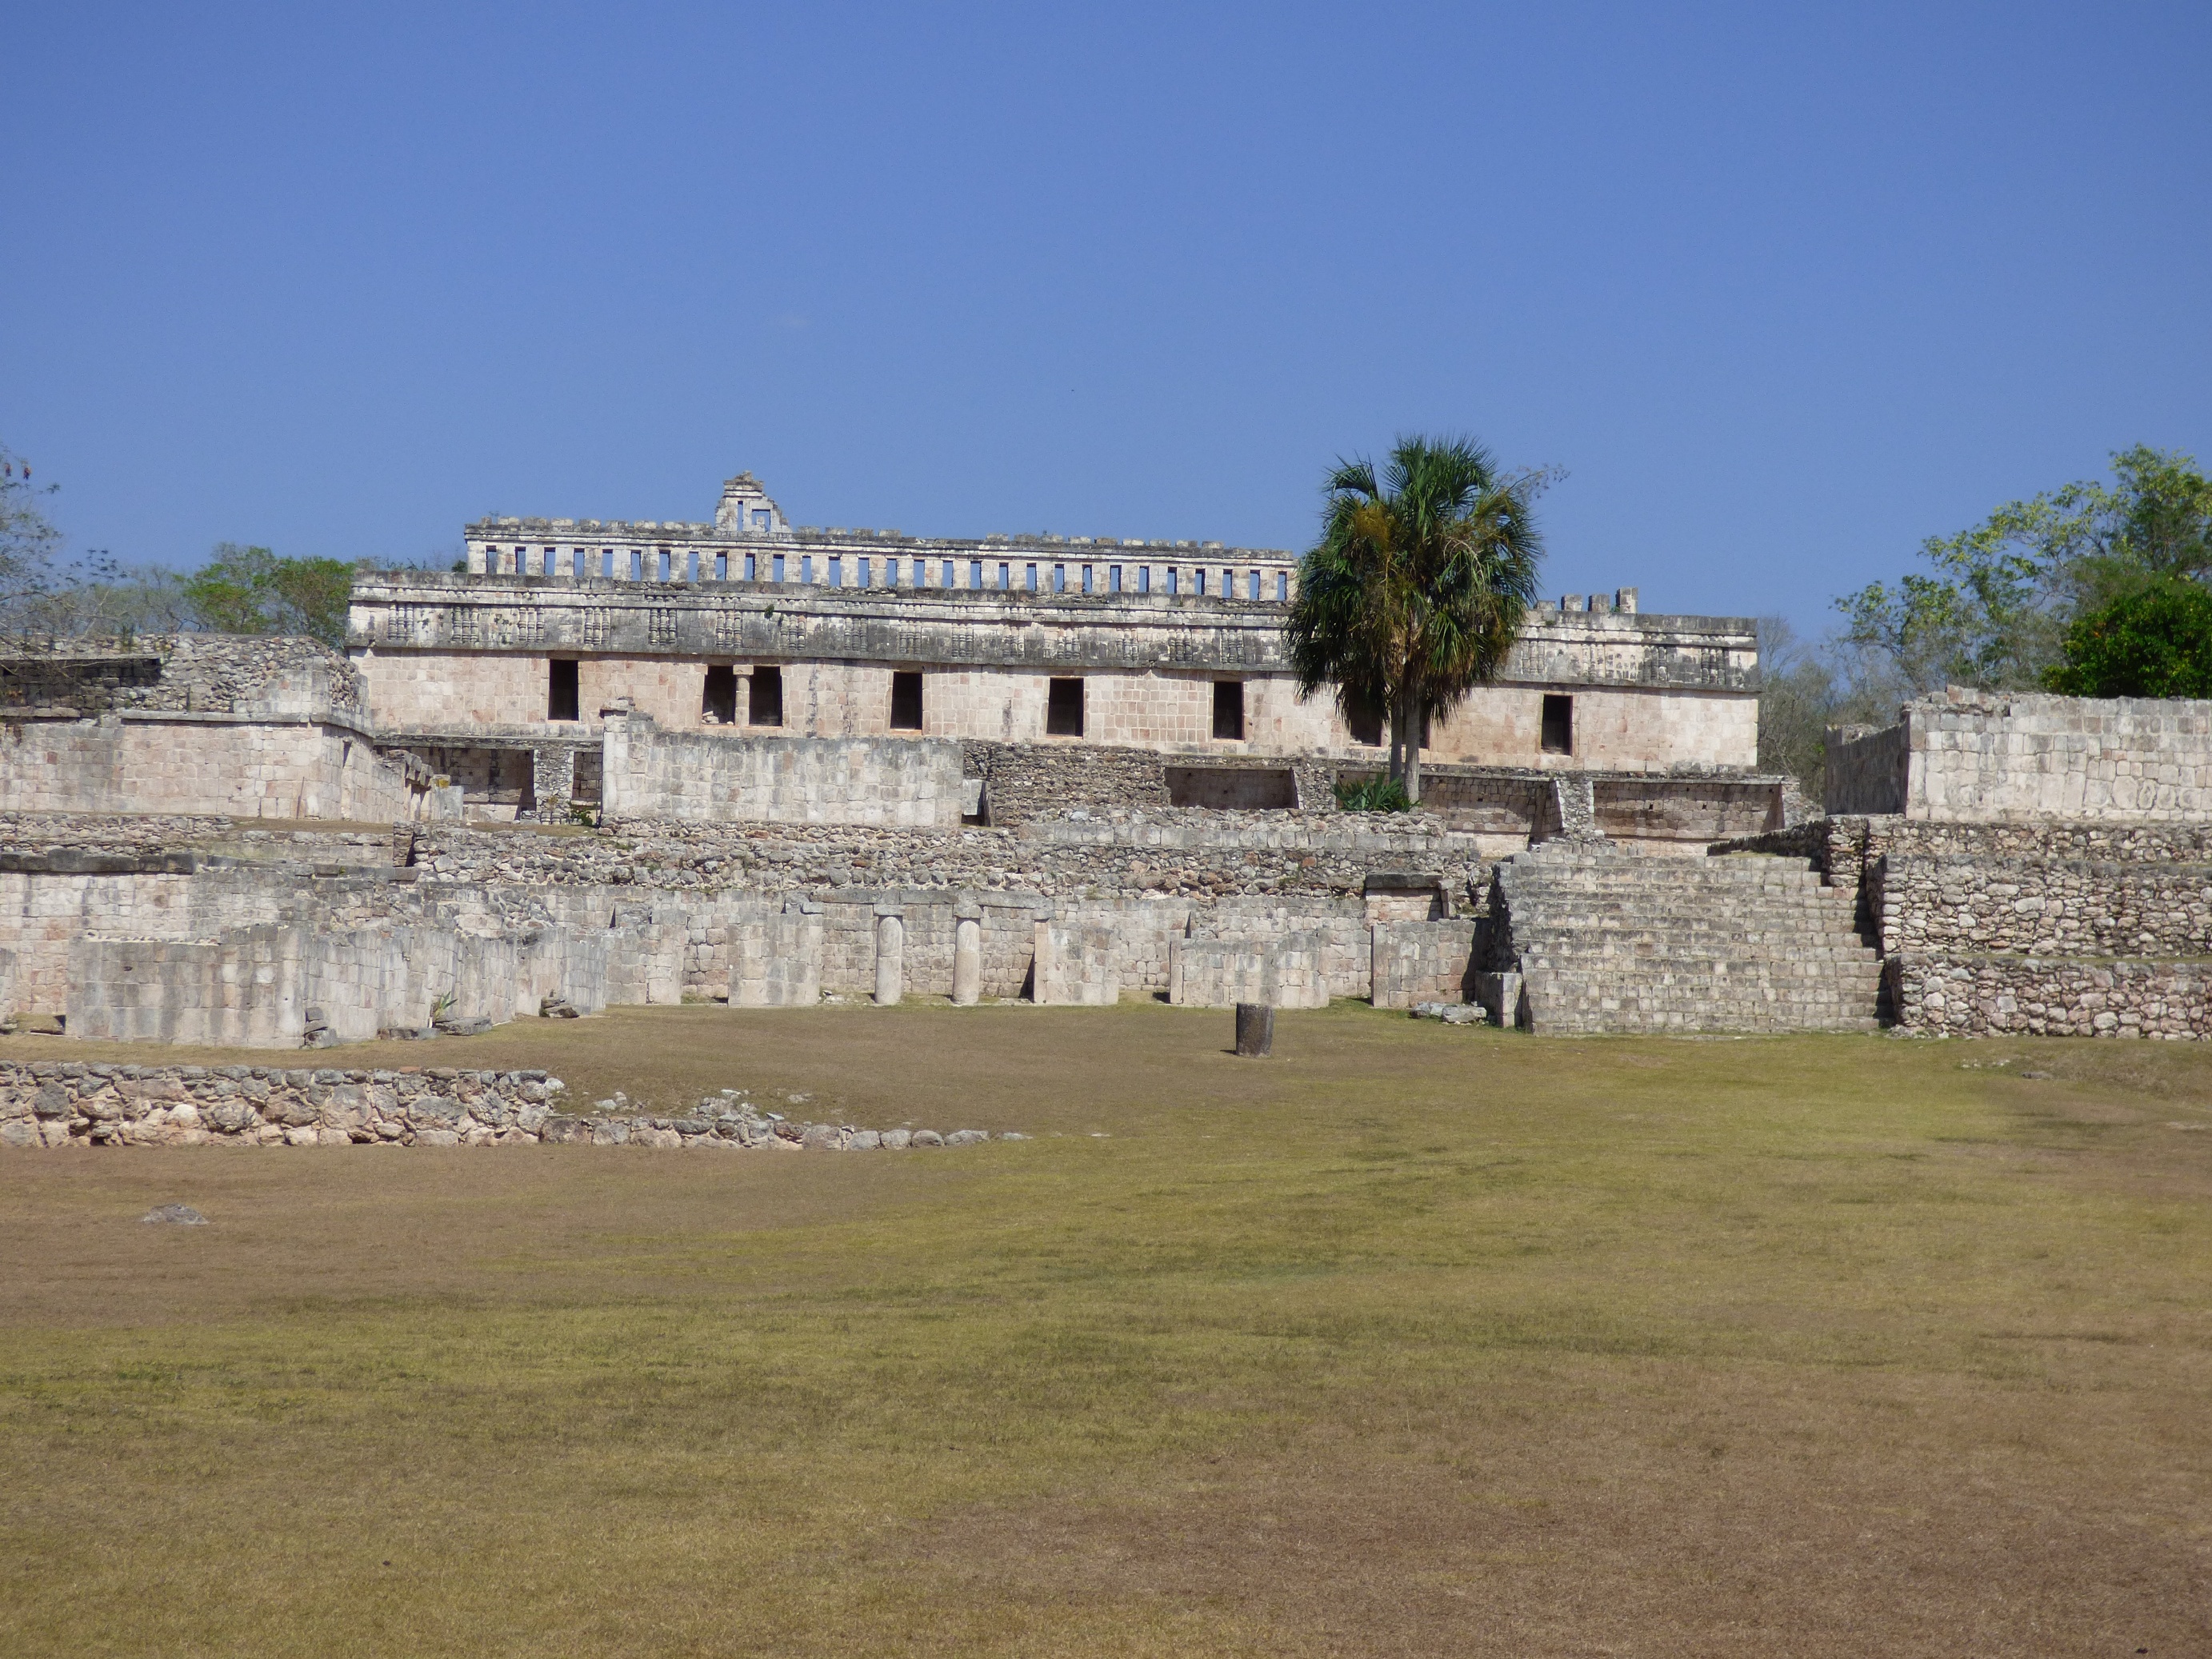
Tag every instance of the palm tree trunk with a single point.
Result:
(1415, 707)
(1397, 742)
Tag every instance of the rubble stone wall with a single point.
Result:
(2120, 997)
(1976, 905)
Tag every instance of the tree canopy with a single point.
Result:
(1416, 590)
(240, 590)
(1999, 597)
(2155, 641)
(250, 590)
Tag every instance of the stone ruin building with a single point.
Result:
(637, 763)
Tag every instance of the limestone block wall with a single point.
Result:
(253, 987)
(42, 914)
(1338, 934)
(243, 989)
(1977, 758)
(1075, 966)
(778, 962)
(1867, 772)
(1422, 962)
(238, 765)
(1284, 971)
(706, 776)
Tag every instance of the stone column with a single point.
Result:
(967, 955)
(1044, 972)
(891, 959)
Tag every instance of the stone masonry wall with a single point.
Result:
(2122, 997)
(1978, 757)
(2084, 929)
(1866, 772)
(1972, 905)
(187, 673)
(910, 782)
(245, 766)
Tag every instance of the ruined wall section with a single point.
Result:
(186, 673)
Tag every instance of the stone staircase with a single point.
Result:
(1605, 940)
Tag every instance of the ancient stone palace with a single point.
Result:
(738, 761)
(505, 677)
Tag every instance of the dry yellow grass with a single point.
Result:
(1408, 1341)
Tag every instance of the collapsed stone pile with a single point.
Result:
(67, 1102)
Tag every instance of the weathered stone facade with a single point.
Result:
(501, 676)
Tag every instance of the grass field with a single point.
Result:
(1410, 1341)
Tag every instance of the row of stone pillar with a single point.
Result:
(891, 959)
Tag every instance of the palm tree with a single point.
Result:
(1416, 590)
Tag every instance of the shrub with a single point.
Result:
(1373, 795)
(2153, 642)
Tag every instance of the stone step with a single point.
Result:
(1616, 942)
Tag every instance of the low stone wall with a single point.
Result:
(57, 1104)
(132, 936)
(904, 782)
(264, 987)
(1982, 996)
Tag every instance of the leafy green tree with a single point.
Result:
(1417, 588)
(2004, 593)
(2153, 641)
(250, 590)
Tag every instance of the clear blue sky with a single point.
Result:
(1783, 288)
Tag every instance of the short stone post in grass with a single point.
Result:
(1255, 1029)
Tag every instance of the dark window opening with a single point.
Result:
(1229, 709)
(1363, 715)
(906, 703)
(1063, 709)
(561, 701)
(766, 707)
(718, 704)
(1558, 725)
